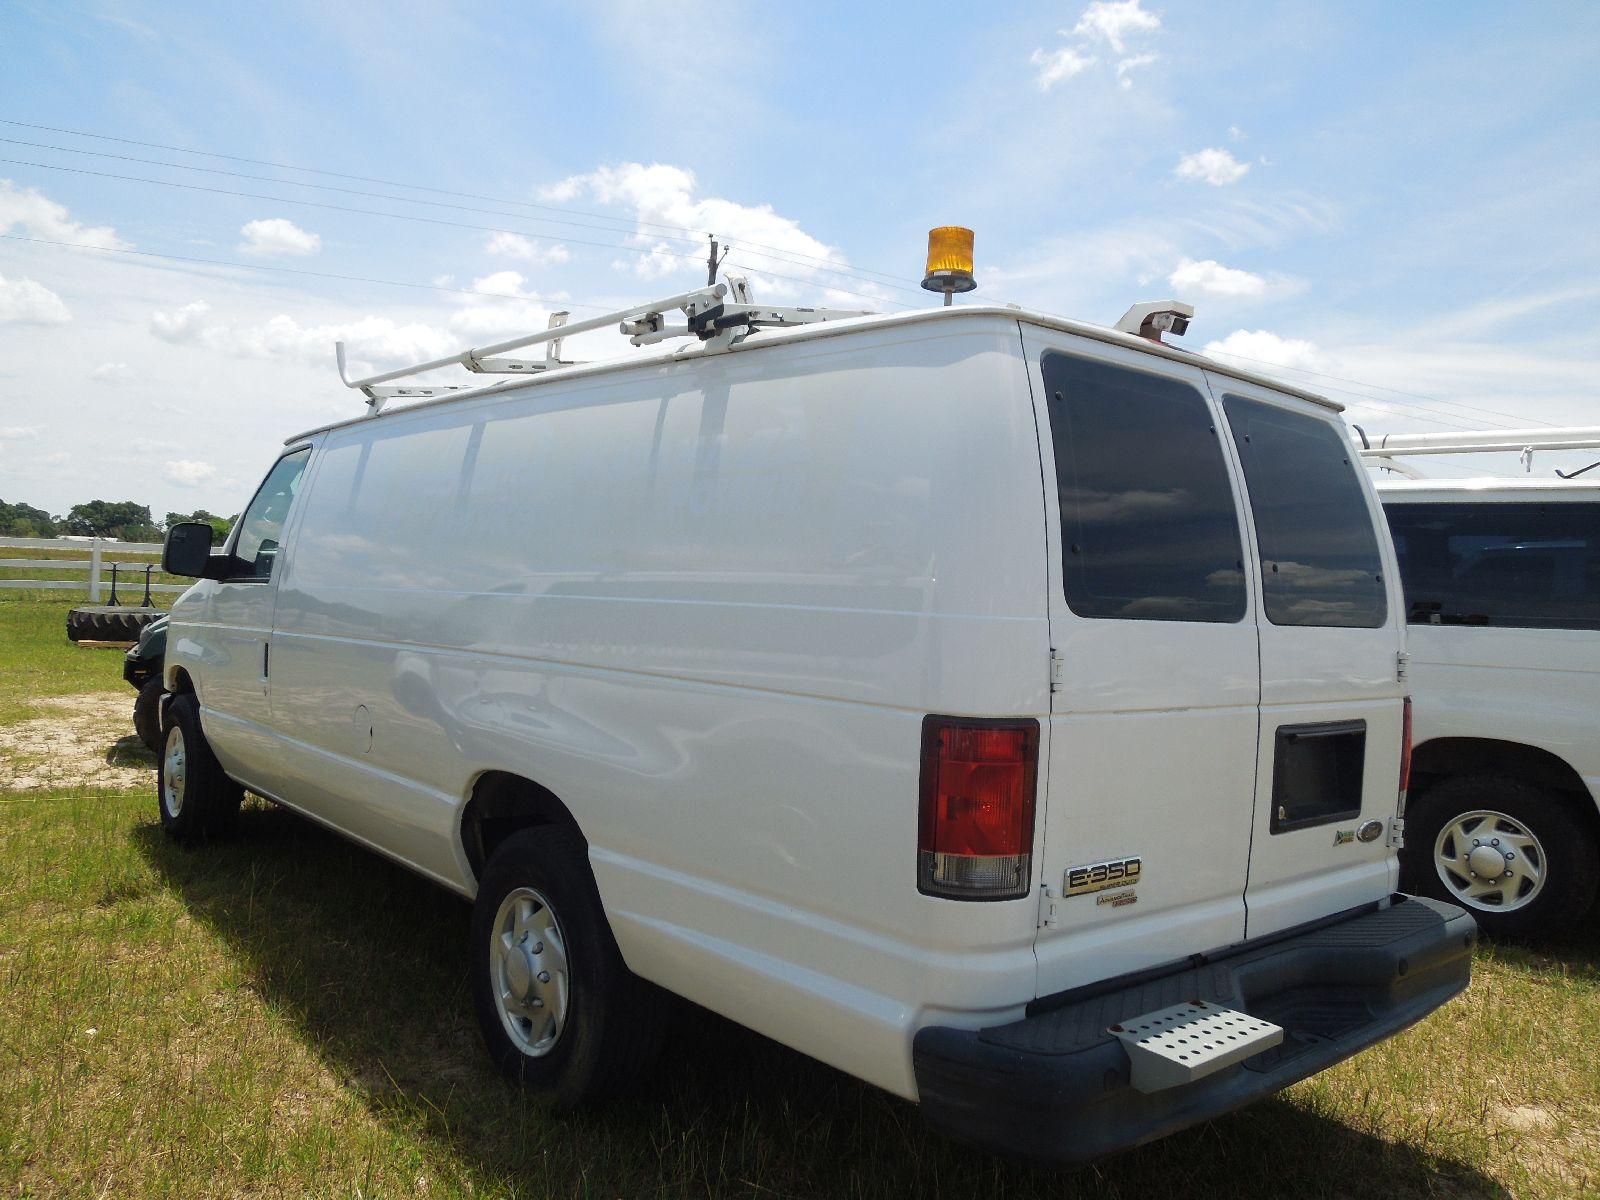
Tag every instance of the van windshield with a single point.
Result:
(1521, 565)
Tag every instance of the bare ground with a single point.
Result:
(81, 741)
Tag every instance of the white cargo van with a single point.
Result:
(1502, 579)
(1001, 709)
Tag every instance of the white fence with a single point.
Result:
(131, 578)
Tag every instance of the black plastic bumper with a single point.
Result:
(1055, 1087)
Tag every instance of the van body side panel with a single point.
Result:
(707, 604)
(1321, 682)
(1153, 727)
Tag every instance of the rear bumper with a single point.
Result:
(1055, 1086)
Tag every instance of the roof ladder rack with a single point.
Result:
(719, 315)
(1383, 452)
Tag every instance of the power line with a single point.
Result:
(845, 271)
(217, 262)
(372, 212)
(1382, 388)
(680, 229)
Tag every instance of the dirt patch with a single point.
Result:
(83, 741)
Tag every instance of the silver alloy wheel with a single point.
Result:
(174, 772)
(528, 969)
(1489, 861)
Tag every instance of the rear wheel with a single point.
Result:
(196, 798)
(1514, 855)
(560, 1012)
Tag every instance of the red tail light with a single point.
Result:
(975, 839)
(1405, 756)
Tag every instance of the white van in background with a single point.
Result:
(1502, 580)
(1001, 709)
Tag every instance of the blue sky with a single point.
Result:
(1392, 203)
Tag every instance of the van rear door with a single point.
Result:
(1327, 778)
(1150, 783)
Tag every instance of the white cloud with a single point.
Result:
(188, 472)
(1127, 65)
(663, 195)
(503, 284)
(1115, 21)
(277, 237)
(1261, 347)
(17, 433)
(1056, 65)
(1235, 134)
(44, 218)
(1213, 165)
(514, 245)
(181, 324)
(371, 339)
(26, 302)
(1212, 278)
(113, 373)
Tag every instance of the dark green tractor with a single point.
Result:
(141, 667)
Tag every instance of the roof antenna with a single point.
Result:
(713, 263)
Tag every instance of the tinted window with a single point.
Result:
(261, 528)
(1148, 526)
(1319, 551)
(1530, 565)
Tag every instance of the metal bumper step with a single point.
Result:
(1185, 1042)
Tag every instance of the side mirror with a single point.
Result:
(188, 550)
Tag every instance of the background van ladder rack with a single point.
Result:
(719, 315)
(1383, 451)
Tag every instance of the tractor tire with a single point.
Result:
(108, 623)
(147, 714)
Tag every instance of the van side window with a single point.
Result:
(1518, 565)
(1319, 553)
(1149, 531)
(261, 528)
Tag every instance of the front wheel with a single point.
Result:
(196, 798)
(560, 1012)
(1516, 856)
(147, 714)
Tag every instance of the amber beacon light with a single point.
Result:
(949, 261)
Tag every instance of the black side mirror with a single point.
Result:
(188, 550)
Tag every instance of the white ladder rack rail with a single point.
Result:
(718, 325)
(1383, 451)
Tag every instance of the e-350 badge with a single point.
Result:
(1095, 877)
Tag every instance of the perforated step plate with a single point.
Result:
(1190, 1041)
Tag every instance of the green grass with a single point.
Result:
(284, 1014)
(37, 661)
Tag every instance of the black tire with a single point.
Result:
(108, 623)
(203, 802)
(613, 1020)
(147, 714)
(1571, 864)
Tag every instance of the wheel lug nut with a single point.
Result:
(544, 976)
(537, 1003)
(538, 947)
(1496, 842)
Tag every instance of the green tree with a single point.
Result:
(124, 520)
(220, 524)
(24, 520)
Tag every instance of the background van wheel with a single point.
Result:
(560, 1012)
(1517, 857)
(147, 714)
(196, 798)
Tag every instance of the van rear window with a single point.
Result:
(1520, 565)
(1149, 530)
(1319, 552)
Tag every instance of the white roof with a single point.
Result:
(1499, 487)
(838, 328)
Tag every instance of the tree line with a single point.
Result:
(120, 520)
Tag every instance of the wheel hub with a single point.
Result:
(1490, 861)
(1487, 862)
(174, 772)
(529, 971)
